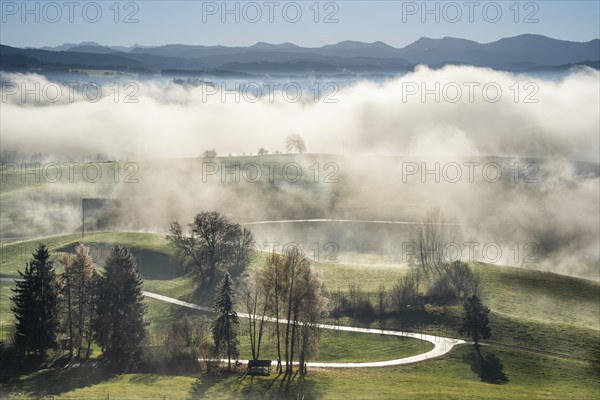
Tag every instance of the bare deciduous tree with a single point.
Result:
(464, 280)
(311, 311)
(253, 294)
(288, 288)
(428, 236)
(404, 293)
(305, 304)
(272, 276)
(213, 242)
(295, 142)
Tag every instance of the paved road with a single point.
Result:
(441, 345)
(363, 221)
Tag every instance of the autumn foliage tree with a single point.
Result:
(79, 297)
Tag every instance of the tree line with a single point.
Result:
(286, 288)
(293, 144)
(72, 310)
(284, 299)
(431, 280)
(80, 306)
(291, 292)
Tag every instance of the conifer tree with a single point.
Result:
(35, 304)
(119, 326)
(225, 324)
(475, 321)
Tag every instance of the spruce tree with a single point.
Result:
(119, 324)
(35, 304)
(475, 321)
(225, 324)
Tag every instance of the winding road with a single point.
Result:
(357, 221)
(441, 345)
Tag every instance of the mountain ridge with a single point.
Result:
(516, 53)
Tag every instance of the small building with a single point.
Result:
(259, 367)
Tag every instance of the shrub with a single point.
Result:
(462, 278)
(442, 291)
(404, 293)
(355, 302)
(180, 349)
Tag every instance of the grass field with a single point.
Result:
(529, 308)
(500, 374)
(349, 347)
(5, 313)
(161, 275)
(459, 375)
(544, 312)
(45, 198)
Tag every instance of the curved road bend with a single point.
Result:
(441, 345)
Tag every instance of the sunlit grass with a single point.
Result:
(530, 309)
(502, 374)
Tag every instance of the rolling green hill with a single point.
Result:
(545, 336)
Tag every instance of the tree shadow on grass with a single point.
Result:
(487, 366)
(240, 385)
(162, 315)
(145, 379)
(153, 265)
(54, 381)
(203, 294)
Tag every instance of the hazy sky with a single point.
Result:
(398, 23)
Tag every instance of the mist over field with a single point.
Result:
(299, 200)
(169, 121)
(376, 134)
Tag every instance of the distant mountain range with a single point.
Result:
(520, 53)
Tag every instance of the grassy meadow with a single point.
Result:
(545, 337)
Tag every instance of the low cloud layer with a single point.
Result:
(552, 124)
(477, 112)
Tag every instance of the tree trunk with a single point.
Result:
(261, 326)
(80, 317)
(69, 316)
(253, 329)
(293, 341)
(228, 341)
(287, 327)
(277, 330)
(89, 336)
